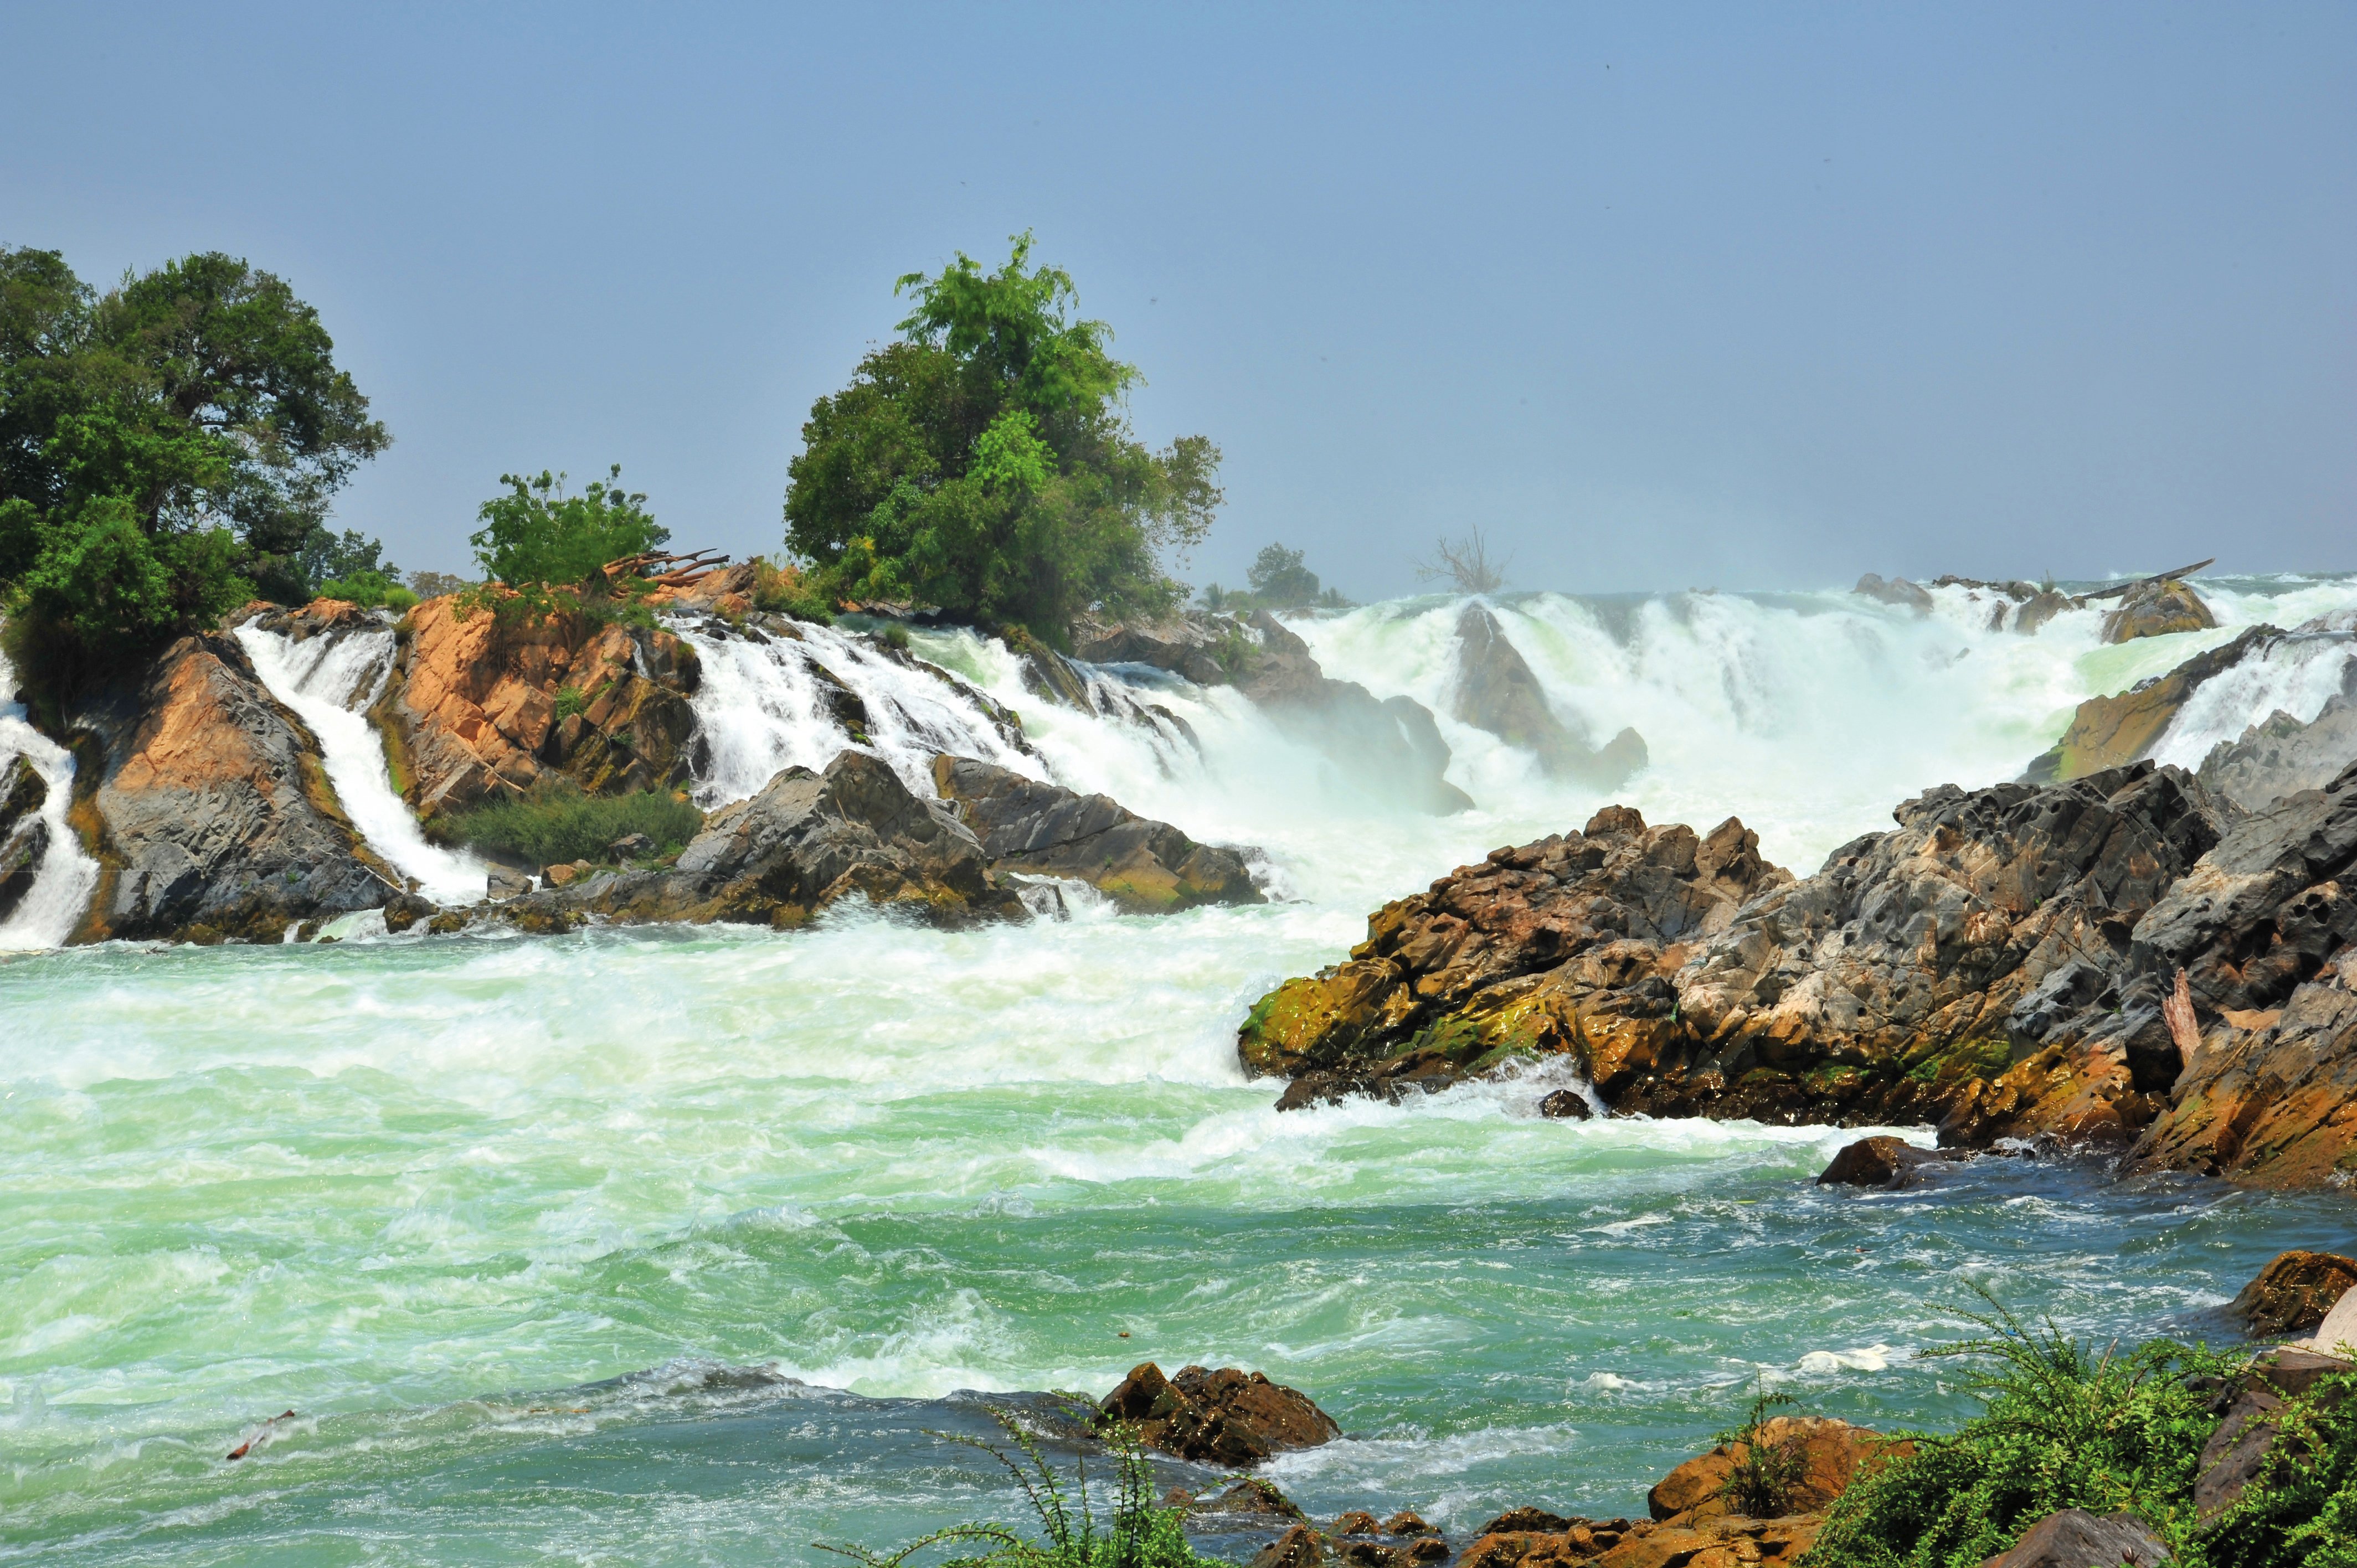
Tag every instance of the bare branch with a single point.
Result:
(1465, 563)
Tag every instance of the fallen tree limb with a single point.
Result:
(2114, 591)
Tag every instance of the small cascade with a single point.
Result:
(768, 701)
(63, 875)
(2296, 673)
(330, 682)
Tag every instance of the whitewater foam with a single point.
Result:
(64, 880)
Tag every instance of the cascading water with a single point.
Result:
(330, 679)
(520, 1223)
(64, 875)
(2296, 673)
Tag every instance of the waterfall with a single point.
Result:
(65, 875)
(768, 701)
(330, 682)
(2296, 673)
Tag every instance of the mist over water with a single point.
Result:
(506, 1221)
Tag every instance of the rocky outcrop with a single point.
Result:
(1969, 969)
(1897, 590)
(2112, 732)
(206, 805)
(481, 704)
(1496, 692)
(1832, 1454)
(2262, 929)
(1493, 961)
(2157, 607)
(1145, 866)
(1208, 649)
(806, 842)
(24, 836)
(2293, 1293)
(2025, 606)
(1883, 1161)
(1222, 1417)
(2279, 755)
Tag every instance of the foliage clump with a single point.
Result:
(1137, 1534)
(2066, 1427)
(1760, 1480)
(541, 546)
(168, 450)
(555, 825)
(787, 589)
(983, 463)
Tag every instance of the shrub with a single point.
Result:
(369, 590)
(557, 824)
(788, 590)
(1759, 1482)
(538, 533)
(2064, 1427)
(1138, 1534)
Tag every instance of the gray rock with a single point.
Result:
(1897, 590)
(23, 791)
(216, 818)
(2279, 755)
(20, 861)
(2157, 608)
(1496, 692)
(1144, 865)
(1391, 749)
(506, 881)
(2077, 1539)
(1202, 648)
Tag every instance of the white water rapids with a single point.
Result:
(62, 884)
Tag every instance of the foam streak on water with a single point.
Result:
(330, 682)
(529, 1231)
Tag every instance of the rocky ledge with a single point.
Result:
(2005, 963)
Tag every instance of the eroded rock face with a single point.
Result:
(805, 841)
(474, 704)
(211, 816)
(1145, 866)
(2262, 929)
(2294, 1292)
(1970, 969)
(2112, 732)
(2279, 755)
(1223, 1417)
(2157, 609)
(1495, 960)
(1497, 692)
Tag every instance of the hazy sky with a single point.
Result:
(1661, 296)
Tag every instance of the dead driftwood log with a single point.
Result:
(2117, 590)
(676, 571)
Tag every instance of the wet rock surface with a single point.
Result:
(1223, 1416)
(24, 836)
(1389, 747)
(2293, 1293)
(2157, 608)
(1882, 1162)
(205, 802)
(1497, 692)
(1143, 865)
(2279, 757)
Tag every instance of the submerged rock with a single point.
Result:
(1883, 1160)
(1223, 1417)
(1144, 865)
(1496, 692)
(2294, 1292)
(210, 813)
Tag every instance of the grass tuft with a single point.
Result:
(557, 826)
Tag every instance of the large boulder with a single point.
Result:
(1495, 691)
(2157, 608)
(2112, 732)
(2262, 929)
(1145, 866)
(1487, 965)
(1202, 648)
(211, 816)
(1970, 969)
(1832, 1454)
(1883, 1161)
(2294, 1292)
(482, 704)
(807, 841)
(1222, 1417)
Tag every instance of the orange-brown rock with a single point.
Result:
(2294, 1292)
(474, 702)
(208, 812)
(2156, 608)
(1835, 1453)
(1225, 1417)
(1723, 1543)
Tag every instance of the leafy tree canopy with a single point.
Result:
(538, 533)
(984, 462)
(165, 448)
(1280, 581)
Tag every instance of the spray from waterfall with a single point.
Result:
(63, 875)
(330, 680)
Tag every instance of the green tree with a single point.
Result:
(984, 462)
(1279, 580)
(538, 533)
(165, 448)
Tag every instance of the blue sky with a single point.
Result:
(1661, 296)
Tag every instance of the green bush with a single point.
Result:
(369, 590)
(1138, 1534)
(789, 590)
(2064, 1427)
(538, 533)
(559, 825)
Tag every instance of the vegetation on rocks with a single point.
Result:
(167, 451)
(984, 463)
(556, 824)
